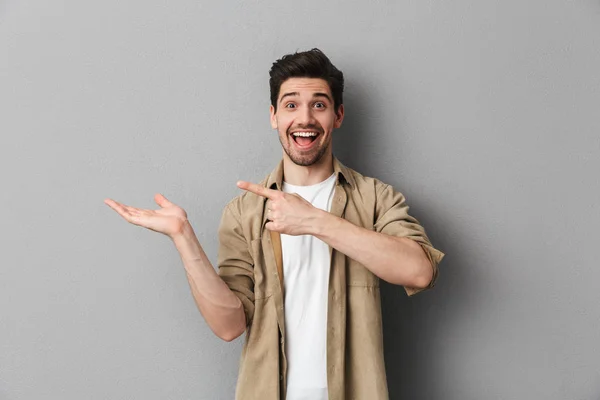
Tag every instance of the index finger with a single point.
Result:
(257, 189)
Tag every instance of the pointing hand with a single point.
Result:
(288, 213)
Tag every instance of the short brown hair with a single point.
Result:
(306, 64)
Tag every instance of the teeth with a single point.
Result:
(305, 134)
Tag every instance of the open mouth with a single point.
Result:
(304, 139)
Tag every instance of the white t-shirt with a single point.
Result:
(306, 265)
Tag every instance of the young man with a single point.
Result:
(301, 254)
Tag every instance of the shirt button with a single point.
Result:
(280, 377)
(281, 340)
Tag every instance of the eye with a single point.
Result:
(290, 105)
(319, 104)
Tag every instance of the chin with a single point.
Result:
(308, 160)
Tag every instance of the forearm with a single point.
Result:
(397, 260)
(222, 310)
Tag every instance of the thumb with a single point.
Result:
(162, 200)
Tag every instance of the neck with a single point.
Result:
(311, 175)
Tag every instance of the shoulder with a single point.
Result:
(370, 193)
(246, 204)
(365, 185)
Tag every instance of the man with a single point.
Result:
(301, 254)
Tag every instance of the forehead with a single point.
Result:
(304, 86)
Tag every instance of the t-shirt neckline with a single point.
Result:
(311, 186)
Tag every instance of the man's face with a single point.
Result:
(305, 119)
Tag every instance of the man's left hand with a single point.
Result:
(287, 212)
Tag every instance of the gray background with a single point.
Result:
(484, 114)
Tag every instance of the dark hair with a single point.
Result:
(306, 64)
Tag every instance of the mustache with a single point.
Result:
(311, 127)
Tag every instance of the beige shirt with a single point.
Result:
(247, 263)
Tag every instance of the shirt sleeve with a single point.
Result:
(392, 218)
(236, 266)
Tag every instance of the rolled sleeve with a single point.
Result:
(236, 266)
(392, 218)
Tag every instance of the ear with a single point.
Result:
(339, 116)
(273, 119)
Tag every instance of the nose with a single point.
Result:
(306, 116)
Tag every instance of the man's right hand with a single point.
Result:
(168, 220)
(220, 307)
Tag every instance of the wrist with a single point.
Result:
(320, 223)
(185, 231)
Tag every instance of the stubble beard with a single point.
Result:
(303, 160)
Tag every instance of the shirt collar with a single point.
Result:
(342, 173)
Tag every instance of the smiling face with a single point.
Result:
(305, 119)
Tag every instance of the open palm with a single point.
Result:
(168, 220)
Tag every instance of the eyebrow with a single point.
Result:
(318, 94)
